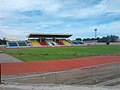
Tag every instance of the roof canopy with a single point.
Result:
(32, 35)
(12, 39)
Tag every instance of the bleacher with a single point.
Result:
(22, 43)
(44, 43)
(59, 43)
(74, 43)
(12, 44)
(11, 41)
(65, 42)
(54, 43)
(77, 42)
(16, 43)
(35, 43)
(80, 42)
(51, 43)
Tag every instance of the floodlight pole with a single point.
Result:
(95, 35)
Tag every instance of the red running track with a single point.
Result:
(56, 65)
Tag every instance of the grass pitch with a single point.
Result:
(57, 53)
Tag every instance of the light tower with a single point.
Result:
(95, 35)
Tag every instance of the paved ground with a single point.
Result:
(52, 87)
(5, 58)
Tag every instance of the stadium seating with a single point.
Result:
(59, 43)
(77, 42)
(35, 43)
(65, 42)
(74, 42)
(54, 43)
(80, 42)
(51, 43)
(43, 43)
(12, 44)
(22, 43)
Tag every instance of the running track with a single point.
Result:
(56, 65)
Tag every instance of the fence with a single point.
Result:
(80, 76)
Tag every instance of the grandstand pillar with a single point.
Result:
(40, 39)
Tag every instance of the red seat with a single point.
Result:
(43, 43)
(59, 43)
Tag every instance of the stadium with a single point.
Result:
(59, 44)
(54, 62)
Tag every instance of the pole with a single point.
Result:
(95, 35)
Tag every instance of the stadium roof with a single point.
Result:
(11, 39)
(33, 35)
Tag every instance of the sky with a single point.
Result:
(18, 18)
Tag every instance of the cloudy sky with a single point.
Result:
(18, 18)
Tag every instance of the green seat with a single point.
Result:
(22, 44)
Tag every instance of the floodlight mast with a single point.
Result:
(95, 35)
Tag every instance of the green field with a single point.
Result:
(38, 54)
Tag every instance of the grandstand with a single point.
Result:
(49, 39)
(42, 40)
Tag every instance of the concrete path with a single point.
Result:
(57, 87)
(111, 82)
(5, 58)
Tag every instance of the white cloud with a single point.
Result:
(26, 5)
(12, 20)
(62, 9)
(105, 6)
(112, 28)
(113, 6)
(83, 12)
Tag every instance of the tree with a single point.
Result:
(2, 42)
(79, 39)
(86, 39)
(108, 38)
(113, 38)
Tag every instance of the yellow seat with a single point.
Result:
(35, 43)
(65, 42)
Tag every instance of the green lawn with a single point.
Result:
(31, 54)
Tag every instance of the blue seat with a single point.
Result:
(80, 42)
(12, 44)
